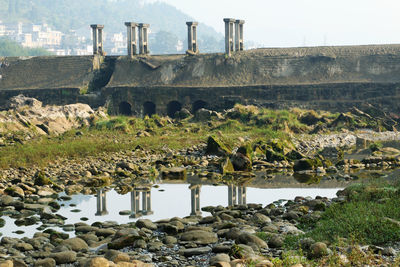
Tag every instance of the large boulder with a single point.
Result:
(217, 147)
(200, 237)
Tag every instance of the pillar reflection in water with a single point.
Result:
(195, 199)
(101, 202)
(136, 212)
(236, 195)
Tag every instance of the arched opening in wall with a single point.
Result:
(198, 105)
(149, 108)
(173, 107)
(125, 109)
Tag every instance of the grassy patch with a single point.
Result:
(370, 216)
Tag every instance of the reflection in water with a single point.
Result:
(101, 202)
(146, 202)
(236, 195)
(195, 197)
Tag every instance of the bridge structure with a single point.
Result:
(330, 78)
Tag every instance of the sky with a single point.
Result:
(291, 23)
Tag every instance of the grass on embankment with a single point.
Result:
(120, 133)
(370, 216)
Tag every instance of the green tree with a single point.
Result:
(10, 48)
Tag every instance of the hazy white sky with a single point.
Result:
(275, 23)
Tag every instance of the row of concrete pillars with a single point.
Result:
(233, 37)
(236, 195)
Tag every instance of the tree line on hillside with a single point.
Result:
(10, 48)
(167, 22)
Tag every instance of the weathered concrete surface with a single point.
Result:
(280, 66)
(47, 72)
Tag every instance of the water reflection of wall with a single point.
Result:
(136, 212)
(236, 195)
(140, 199)
(101, 202)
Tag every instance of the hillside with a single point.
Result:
(65, 15)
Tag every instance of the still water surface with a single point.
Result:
(167, 201)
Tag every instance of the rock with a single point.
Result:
(216, 147)
(123, 242)
(128, 166)
(98, 262)
(183, 114)
(203, 115)
(21, 101)
(175, 173)
(248, 239)
(15, 191)
(170, 240)
(116, 256)
(40, 179)
(318, 249)
(47, 262)
(275, 241)
(7, 263)
(227, 166)
(220, 258)
(76, 244)
(241, 251)
(241, 162)
(24, 247)
(307, 164)
(200, 237)
(146, 223)
(195, 251)
(261, 218)
(64, 257)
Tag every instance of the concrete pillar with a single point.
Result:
(192, 37)
(242, 195)
(97, 31)
(229, 41)
(239, 40)
(143, 38)
(131, 38)
(135, 202)
(101, 203)
(232, 200)
(195, 199)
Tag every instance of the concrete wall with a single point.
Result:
(332, 78)
(330, 96)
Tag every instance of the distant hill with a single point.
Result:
(64, 15)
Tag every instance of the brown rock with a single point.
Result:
(98, 262)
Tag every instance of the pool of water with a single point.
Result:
(166, 201)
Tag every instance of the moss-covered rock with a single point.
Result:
(226, 166)
(99, 181)
(294, 155)
(41, 179)
(216, 147)
(272, 155)
(307, 164)
(241, 162)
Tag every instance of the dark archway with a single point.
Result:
(173, 107)
(198, 105)
(149, 108)
(125, 109)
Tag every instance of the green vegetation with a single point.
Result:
(125, 133)
(371, 215)
(10, 48)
